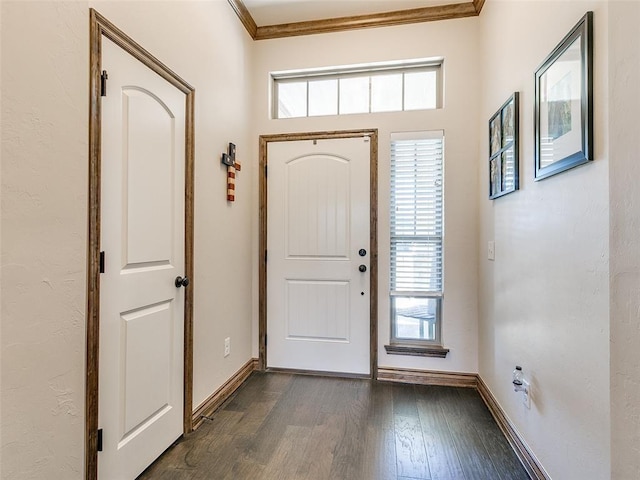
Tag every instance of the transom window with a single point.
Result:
(416, 237)
(389, 87)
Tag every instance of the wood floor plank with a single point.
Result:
(257, 385)
(226, 456)
(442, 455)
(507, 464)
(196, 459)
(381, 406)
(292, 427)
(263, 444)
(404, 400)
(224, 421)
(380, 442)
(243, 397)
(256, 414)
(379, 460)
(411, 454)
(176, 474)
(473, 456)
(182, 458)
(243, 468)
(319, 453)
(339, 392)
(349, 454)
(287, 457)
(308, 395)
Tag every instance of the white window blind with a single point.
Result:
(416, 212)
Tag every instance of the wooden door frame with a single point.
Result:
(99, 27)
(373, 232)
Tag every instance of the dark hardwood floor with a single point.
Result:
(281, 426)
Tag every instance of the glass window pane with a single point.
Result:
(354, 95)
(386, 93)
(419, 90)
(323, 97)
(415, 318)
(508, 173)
(292, 99)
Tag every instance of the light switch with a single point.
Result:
(491, 250)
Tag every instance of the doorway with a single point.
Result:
(318, 298)
(139, 317)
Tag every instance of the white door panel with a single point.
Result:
(318, 220)
(317, 207)
(150, 132)
(142, 235)
(317, 310)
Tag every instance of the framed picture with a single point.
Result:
(503, 149)
(563, 109)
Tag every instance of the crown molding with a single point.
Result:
(385, 19)
(478, 4)
(245, 17)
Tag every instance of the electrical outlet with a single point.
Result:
(526, 394)
(491, 250)
(227, 346)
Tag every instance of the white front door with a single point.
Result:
(317, 241)
(142, 236)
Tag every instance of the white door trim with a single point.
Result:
(373, 245)
(100, 27)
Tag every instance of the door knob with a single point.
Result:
(362, 252)
(362, 268)
(182, 282)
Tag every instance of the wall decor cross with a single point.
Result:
(233, 166)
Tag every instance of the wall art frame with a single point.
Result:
(563, 110)
(504, 126)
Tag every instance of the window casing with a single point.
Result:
(416, 237)
(388, 87)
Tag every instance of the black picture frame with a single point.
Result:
(563, 111)
(504, 148)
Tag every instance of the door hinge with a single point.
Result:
(99, 442)
(266, 170)
(101, 262)
(103, 83)
(265, 339)
(265, 256)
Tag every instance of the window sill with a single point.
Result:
(417, 350)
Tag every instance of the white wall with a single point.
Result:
(207, 46)
(44, 221)
(544, 302)
(624, 171)
(44, 210)
(456, 41)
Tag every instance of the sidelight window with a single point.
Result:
(416, 237)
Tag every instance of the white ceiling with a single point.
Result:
(273, 12)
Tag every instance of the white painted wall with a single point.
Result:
(624, 239)
(44, 210)
(544, 302)
(45, 52)
(456, 41)
(207, 46)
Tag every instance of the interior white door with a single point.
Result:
(318, 222)
(142, 236)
